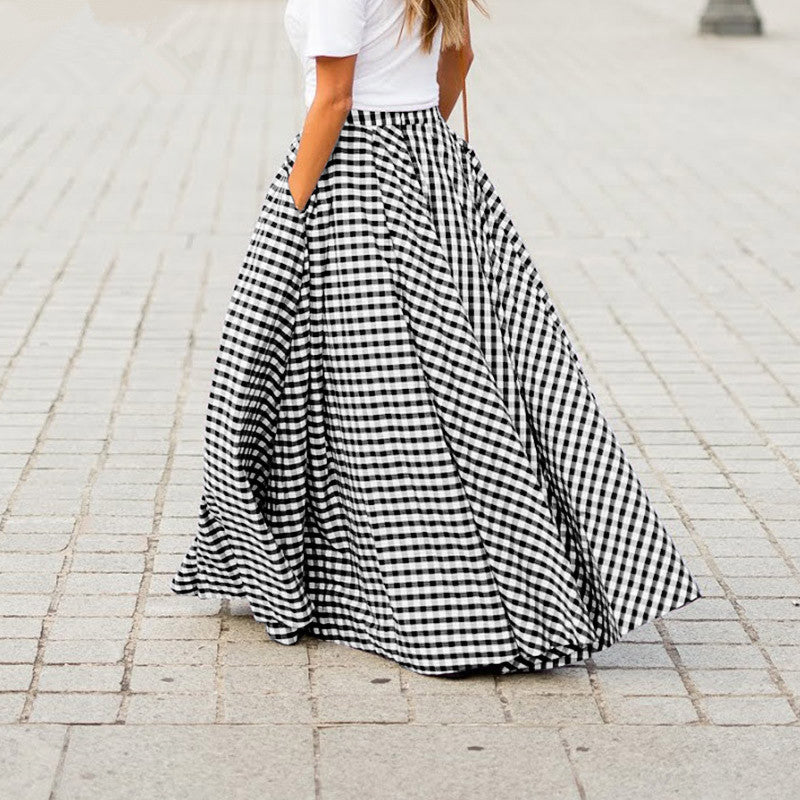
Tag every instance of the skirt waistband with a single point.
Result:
(383, 117)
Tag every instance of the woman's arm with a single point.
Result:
(449, 73)
(323, 123)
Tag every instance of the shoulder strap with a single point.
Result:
(464, 92)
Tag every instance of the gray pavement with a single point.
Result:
(655, 177)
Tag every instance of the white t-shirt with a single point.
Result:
(388, 74)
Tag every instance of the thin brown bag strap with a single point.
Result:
(464, 91)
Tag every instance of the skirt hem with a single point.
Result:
(519, 664)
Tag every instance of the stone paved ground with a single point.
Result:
(655, 176)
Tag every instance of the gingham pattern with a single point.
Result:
(402, 451)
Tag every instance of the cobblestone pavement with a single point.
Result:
(655, 176)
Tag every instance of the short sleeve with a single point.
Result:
(335, 27)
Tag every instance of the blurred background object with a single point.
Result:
(731, 18)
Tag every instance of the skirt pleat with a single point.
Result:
(402, 451)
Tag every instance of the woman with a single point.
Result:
(402, 452)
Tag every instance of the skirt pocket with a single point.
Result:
(282, 180)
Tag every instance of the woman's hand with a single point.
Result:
(301, 204)
(323, 124)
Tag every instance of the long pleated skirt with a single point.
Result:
(402, 451)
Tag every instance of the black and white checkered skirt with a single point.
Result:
(402, 450)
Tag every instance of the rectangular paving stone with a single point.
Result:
(18, 651)
(752, 567)
(177, 709)
(346, 707)
(791, 547)
(476, 709)
(685, 761)
(554, 709)
(34, 542)
(38, 563)
(733, 681)
(18, 523)
(266, 679)
(736, 547)
(125, 491)
(75, 708)
(127, 507)
(702, 632)
(706, 608)
(644, 633)
(15, 677)
(116, 523)
(204, 762)
(80, 678)
(727, 529)
(194, 628)
(720, 655)
(771, 608)
(624, 654)
(560, 680)
(77, 628)
(632, 681)
(162, 652)
(764, 586)
(792, 679)
(376, 680)
(786, 529)
(105, 583)
(53, 505)
(24, 605)
(20, 627)
(649, 709)
(732, 511)
(110, 543)
(84, 651)
(785, 656)
(27, 583)
(750, 710)
(778, 632)
(457, 762)
(179, 606)
(160, 581)
(269, 709)
(29, 756)
(101, 606)
(11, 707)
(419, 684)
(108, 562)
(173, 678)
(323, 652)
(256, 653)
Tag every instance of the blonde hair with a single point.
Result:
(450, 14)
